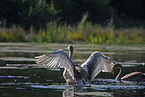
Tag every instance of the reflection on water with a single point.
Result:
(100, 87)
(20, 76)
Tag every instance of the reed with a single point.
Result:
(12, 35)
(90, 33)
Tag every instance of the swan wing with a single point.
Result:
(96, 63)
(57, 59)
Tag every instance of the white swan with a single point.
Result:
(76, 75)
(134, 76)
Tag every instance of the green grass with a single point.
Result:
(12, 35)
(65, 34)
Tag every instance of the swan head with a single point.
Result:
(117, 66)
(70, 47)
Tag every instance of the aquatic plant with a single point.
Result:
(12, 35)
(56, 33)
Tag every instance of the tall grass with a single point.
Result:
(12, 35)
(90, 33)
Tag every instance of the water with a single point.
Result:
(21, 77)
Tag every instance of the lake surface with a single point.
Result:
(21, 77)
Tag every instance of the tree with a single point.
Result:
(36, 13)
(72, 11)
(129, 8)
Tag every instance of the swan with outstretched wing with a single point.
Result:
(96, 63)
(76, 75)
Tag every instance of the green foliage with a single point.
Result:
(129, 8)
(83, 20)
(66, 34)
(72, 21)
(27, 13)
(38, 13)
(130, 35)
(33, 37)
(12, 35)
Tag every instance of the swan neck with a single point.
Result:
(71, 53)
(118, 77)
